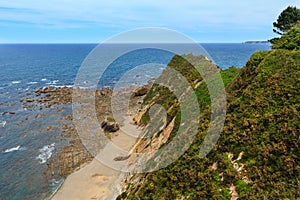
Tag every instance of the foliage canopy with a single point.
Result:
(287, 19)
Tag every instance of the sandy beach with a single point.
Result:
(96, 180)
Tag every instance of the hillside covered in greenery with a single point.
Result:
(257, 155)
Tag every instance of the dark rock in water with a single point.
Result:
(49, 128)
(12, 113)
(121, 158)
(30, 100)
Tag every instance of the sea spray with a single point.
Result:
(45, 153)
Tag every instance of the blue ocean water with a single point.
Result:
(25, 144)
(236, 54)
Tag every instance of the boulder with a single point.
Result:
(110, 126)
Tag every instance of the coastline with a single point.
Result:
(96, 180)
(91, 179)
(56, 190)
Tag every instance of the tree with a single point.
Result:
(290, 40)
(287, 19)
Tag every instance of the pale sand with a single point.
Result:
(96, 180)
(90, 182)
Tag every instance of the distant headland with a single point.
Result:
(256, 42)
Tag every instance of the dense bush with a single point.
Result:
(290, 41)
(262, 120)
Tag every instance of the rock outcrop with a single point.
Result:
(110, 126)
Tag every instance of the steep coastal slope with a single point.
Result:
(257, 155)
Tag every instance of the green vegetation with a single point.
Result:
(263, 124)
(262, 121)
(287, 19)
(257, 155)
(290, 41)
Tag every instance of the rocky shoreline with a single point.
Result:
(75, 156)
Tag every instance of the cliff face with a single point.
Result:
(257, 155)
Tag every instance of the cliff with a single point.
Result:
(257, 154)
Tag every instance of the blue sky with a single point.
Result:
(93, 21)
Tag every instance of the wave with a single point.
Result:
(62, 86)
(12, 149)
(43, 79)
(83, 88)
(16, 82)
(56, 185)
(32, 83)
(45, 153)
(17, 148)
(57, 86)
(3, 123)
(52, 82)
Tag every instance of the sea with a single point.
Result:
(26, 142)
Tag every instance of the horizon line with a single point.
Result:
(244, 42)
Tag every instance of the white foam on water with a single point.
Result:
(83, 88)
(45, 153)
(52, 82)
(55, 182)
(32, 83)
(12, 149)
(15, 82)
(3, 123)
(62, 86)
(43, 79)
(56, 186)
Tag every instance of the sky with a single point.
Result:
(94, 21)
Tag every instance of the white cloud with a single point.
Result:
(189, 14)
